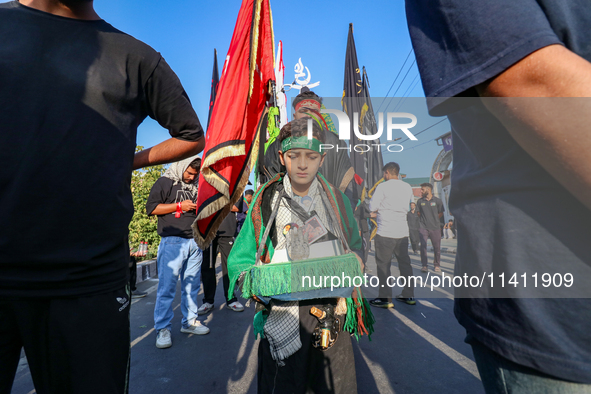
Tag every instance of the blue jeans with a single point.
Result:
(177, 256)
(500, 375)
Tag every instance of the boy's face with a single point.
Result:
(301, 164)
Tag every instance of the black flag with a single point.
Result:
(367, 164)
(215, 79)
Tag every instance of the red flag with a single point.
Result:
(231, 142)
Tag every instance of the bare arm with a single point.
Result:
(168, 151)
(554, 132)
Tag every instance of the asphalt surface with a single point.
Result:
(415, 349)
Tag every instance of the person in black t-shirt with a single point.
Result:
(430, 210)
(73, 91)
(172, 199)
(521, 187)
(242, 206)
(223, 242)
(412, 218)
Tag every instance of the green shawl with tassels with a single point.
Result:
(277, 278)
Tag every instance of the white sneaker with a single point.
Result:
(163, 340)
(205, 308)
(197, 328)
(235, 306)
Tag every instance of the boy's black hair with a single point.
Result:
(426, 184)
(392, 168)
(249, 192)
(299, 128)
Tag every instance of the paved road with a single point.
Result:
(415, 349)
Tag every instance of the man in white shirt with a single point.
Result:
(390, 204)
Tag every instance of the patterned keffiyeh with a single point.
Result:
(282, 328)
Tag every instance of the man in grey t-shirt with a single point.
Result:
(430, 210)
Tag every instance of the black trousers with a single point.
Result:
(433, 235)
(73, 345)
(415, 238)
(309, 370)
(385, 247)
(132, 272)
(224, 245)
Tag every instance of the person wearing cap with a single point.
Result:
(172, 199)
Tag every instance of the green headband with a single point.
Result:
(301, 143)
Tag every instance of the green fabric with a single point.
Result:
(301, 143)
(243, 254)
(285, 278)
(244, 250)
(351, 324)
(268, 278)
(272, 128)
(352, 233)
(258, 323)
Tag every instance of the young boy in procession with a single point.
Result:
(293, 220)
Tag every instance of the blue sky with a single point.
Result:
(187, 31)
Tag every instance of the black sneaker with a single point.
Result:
(408, 300)
(138, 294)
(378, 302)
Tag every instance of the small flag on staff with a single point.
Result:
(368, 165)
(215, 80)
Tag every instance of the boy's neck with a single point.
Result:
(300, 190)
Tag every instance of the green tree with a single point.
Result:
(143, 227)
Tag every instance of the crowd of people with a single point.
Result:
(74, 90)
(297, 204)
